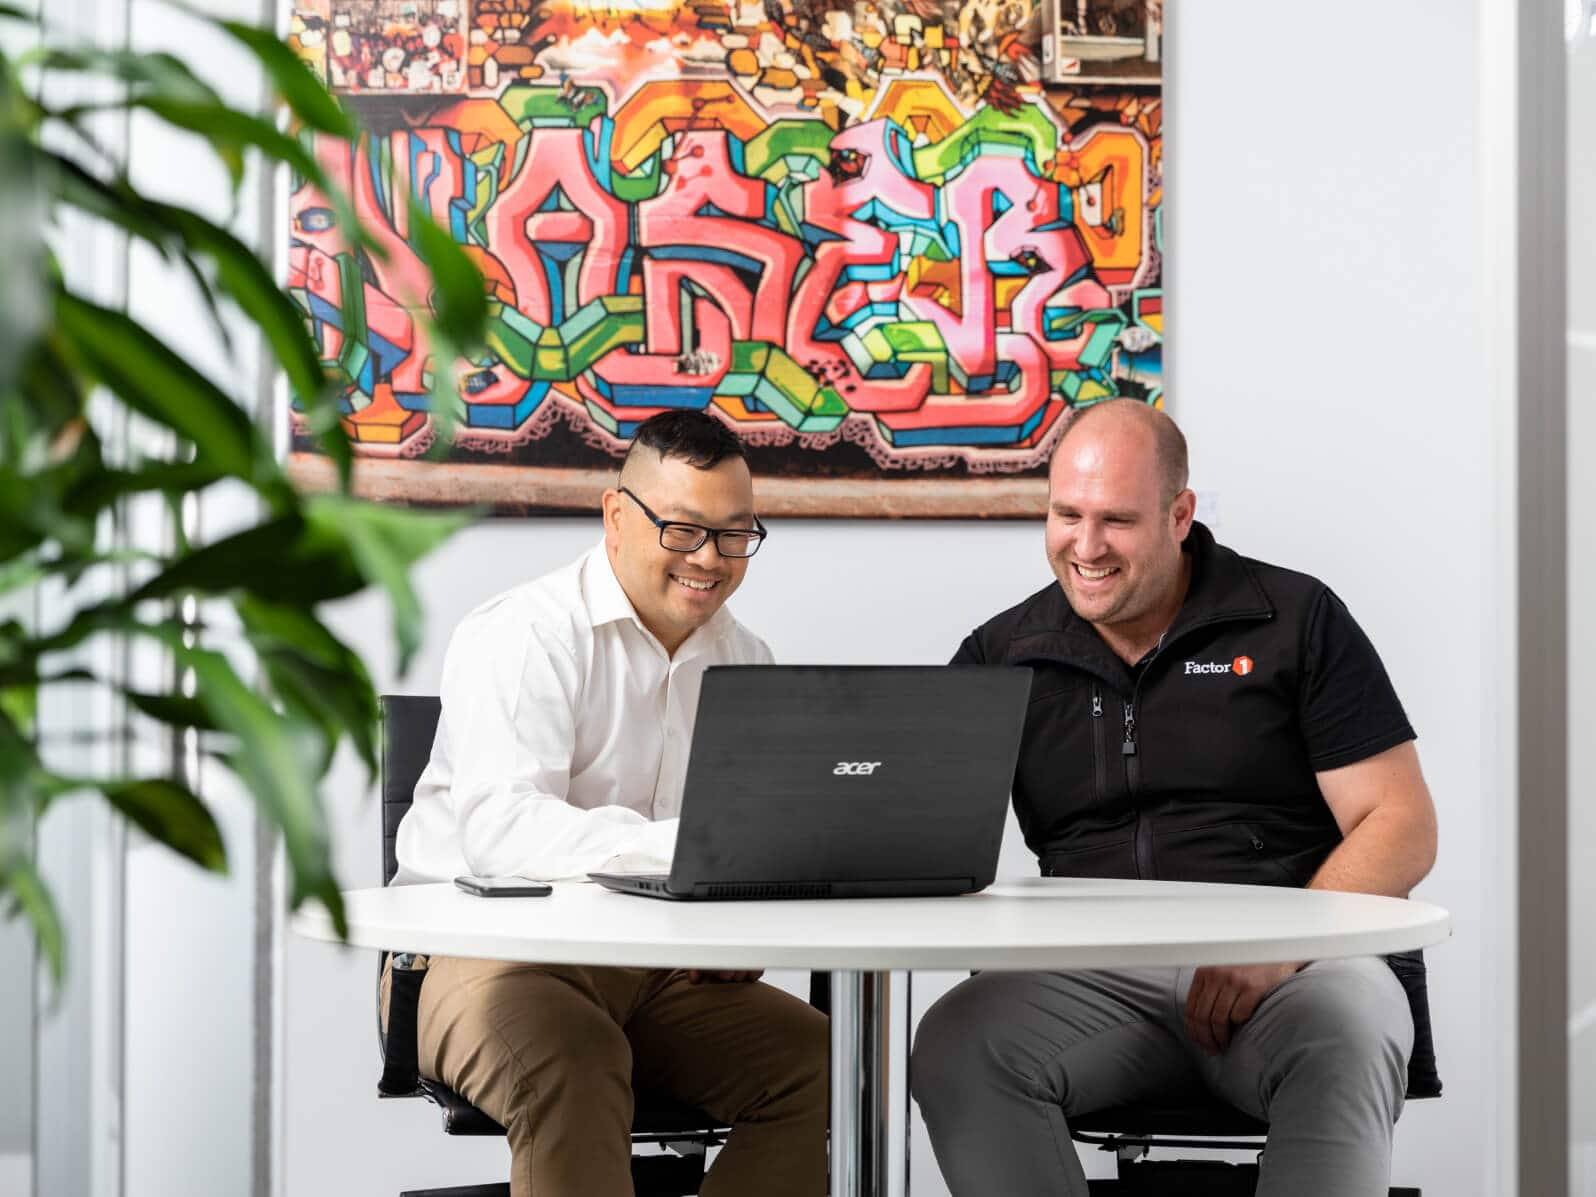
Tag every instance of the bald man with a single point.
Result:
(568, 707)
(1195, 716)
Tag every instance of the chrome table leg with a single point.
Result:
(869, 1083)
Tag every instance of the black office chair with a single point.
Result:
(408, 726)
(1131, 1132)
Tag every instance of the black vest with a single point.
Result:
(1194, 765)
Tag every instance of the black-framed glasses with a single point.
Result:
(689, 538)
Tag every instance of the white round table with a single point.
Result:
(1033, 923)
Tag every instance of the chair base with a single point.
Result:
(652, 1176)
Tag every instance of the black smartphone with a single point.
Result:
(504, 887)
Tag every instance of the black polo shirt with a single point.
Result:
(1198, 763)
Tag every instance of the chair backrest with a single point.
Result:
(409, 724)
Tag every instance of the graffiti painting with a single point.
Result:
(861, 233)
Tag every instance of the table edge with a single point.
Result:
(1433, 929)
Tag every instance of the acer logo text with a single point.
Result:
(856, 768)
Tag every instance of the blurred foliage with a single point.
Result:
(257, 676)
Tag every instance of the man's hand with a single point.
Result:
(1225, 996)
(715, 976)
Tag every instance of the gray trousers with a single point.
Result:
(1003, 1060)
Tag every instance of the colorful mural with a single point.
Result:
(860, 233)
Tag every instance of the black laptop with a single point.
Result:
(828, 781)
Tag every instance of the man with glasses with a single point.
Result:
(568, 706)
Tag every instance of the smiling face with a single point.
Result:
(1114, 534)
(673, 593)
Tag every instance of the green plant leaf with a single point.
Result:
(31, 500)
(21, 532)
(20, 572)
(273, 626)
(174, 710)
(17, 756)
(22, 797)
(31, 898)
(288, 560)
(100, 490)
(159, 384)
(172, 814)
(386, 542)
(231, 132)
(227, 132)
(272, 757)
(246, 281)
(277, 729)
(159, 73)
(110, 615)
(54, 395)
(180, 233)
(453, 326)
(161, 84)
(312, 671)
(443, 388)
(310, 102)
(71, 567)
(459, 296)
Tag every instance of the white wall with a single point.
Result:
(1341, 410)
(1328, 369)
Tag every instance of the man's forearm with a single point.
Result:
(1389, 852)
(506, 831)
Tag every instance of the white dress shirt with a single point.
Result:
(562, 747)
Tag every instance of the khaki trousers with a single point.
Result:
(552, 1052)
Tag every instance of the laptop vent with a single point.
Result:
(774, 891)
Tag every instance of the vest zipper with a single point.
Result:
(1143, 843)
(1099, 754)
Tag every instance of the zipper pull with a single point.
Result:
(1128, 748)
(1097, 704)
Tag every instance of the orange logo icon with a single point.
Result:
(1242, 666)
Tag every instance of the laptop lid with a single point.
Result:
(852, 779)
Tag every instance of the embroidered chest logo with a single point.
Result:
(1240, 666)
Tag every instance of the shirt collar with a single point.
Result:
(607, 603)
(1223, 587)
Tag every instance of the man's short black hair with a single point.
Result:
(695, 437)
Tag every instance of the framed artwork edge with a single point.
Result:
(394, 465)
(520, 491)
